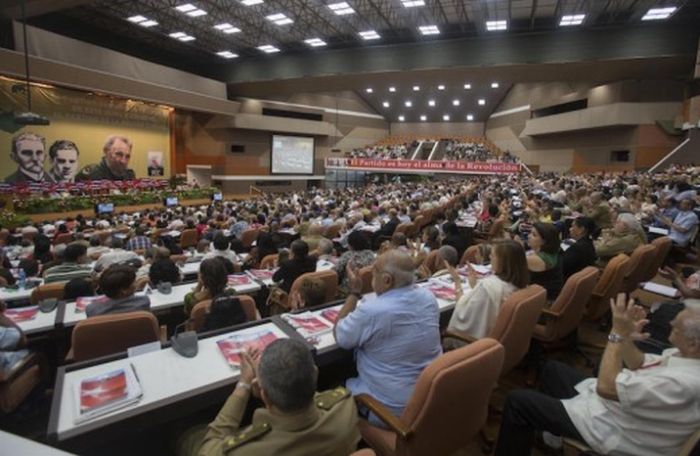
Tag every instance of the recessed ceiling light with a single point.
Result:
(187, 38)
(482, 102)
(341, 8)
(148, 23)
(431, 102)
(494, 85)
(251, 2)
(446, 117)
(369, 90)
(655, 14)
(416, 88)
(455, 102)
(441, 87)
(392, 89)
(136, 19)
(401, 118)
(315, 42)
(369, 35)
(492, 26)
(408, 103)
(386, 104)
(268, 49)
(467, 86)
(227, 54)
(412, 3)
(572, 19)
(423, 118)
(227, 28)
(197, 13)
(178, 35)
(429, 30)
(186, 8)
(279, 19)
(470, 117)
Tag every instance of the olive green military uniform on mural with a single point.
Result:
(328, 427)
(102, 171)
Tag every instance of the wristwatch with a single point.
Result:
(615, 338)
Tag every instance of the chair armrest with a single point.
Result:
(384, 414)
(18, 367)
(459, 335)
(551, 314)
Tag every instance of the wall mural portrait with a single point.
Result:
(28, 151)
(115, 161)
(63, 160)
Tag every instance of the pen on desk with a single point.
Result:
(133, 369)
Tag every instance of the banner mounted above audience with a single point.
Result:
(91, 137)
(422, 166)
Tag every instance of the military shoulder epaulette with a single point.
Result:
(247, 435)
(329, 399)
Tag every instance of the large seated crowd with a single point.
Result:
(486, 239)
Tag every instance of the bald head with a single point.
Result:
(393, 269)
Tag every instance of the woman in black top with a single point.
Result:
(582, 252)
(299, 264)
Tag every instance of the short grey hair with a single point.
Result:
(325, 246)
(109, 142)
(26, 136)
(691, 323)
(630, 220)
(288, 374)
(449, 254)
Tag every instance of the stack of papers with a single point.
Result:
(308, 324)
(261, 274)
(237, 280)
(82, 302)
(106, 392)
(22, 314)
(662, 290)
(235, 344)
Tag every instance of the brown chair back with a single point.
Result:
(330, 282)
(17, 382)
(49, 290)
(570, 304)
(516, 322)
(411, 230)
(189, 238)
(638, 266)
(269, 261)
(608, 286)
(107, 334)
(663, 247)
(402, 227)
(200, 310)
(104, 236)
(433, 262)
(64, 238)
(332, 231)
(366, 276)
(459, 380)
(248, 236)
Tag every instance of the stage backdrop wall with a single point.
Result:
(86, 119)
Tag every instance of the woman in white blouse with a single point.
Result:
(477, 308)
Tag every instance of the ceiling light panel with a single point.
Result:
(572, 19)
(227, 28)
(136, 19)
(148, 23)
(431, 102)
(182, 36)
(279, 19)
(482, 102)
(655, 14)
(446, 117)
(341, 8)
(386, 104)
(423, 118)
(493, 26)
(369, 35)
(392, 89)
(416, 88)
(441, 87)
(412, 3)
(470, 117)
(429, 30)
(315, 42)
(494, 85)
(455, 102)
(191, 10)
(408, 103)
(467, 86)
(251, 2)
(227, 54)
(268, 49)
(401, 118)
(369, 90)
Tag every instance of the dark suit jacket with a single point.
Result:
(291, 269)
(578, 256)
(18, 177)
(458, 242)
(389, 227)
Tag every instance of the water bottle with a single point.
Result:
(22, 279)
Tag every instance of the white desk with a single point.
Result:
(14, 444)
(324, 265)
(190, 268)
(159, 301)
(7, 294)
(40, 323)
(165, 377)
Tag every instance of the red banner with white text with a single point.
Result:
(421, 166)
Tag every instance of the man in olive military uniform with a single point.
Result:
(295, 421)
(114, 164)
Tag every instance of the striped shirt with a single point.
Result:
(67, 271)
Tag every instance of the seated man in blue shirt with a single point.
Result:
(681, 226)
(395, 335)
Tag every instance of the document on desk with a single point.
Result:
(232, 347)
(22, 314)
(662, 290)
(308, 324)
(104, 393)
(663, 231)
